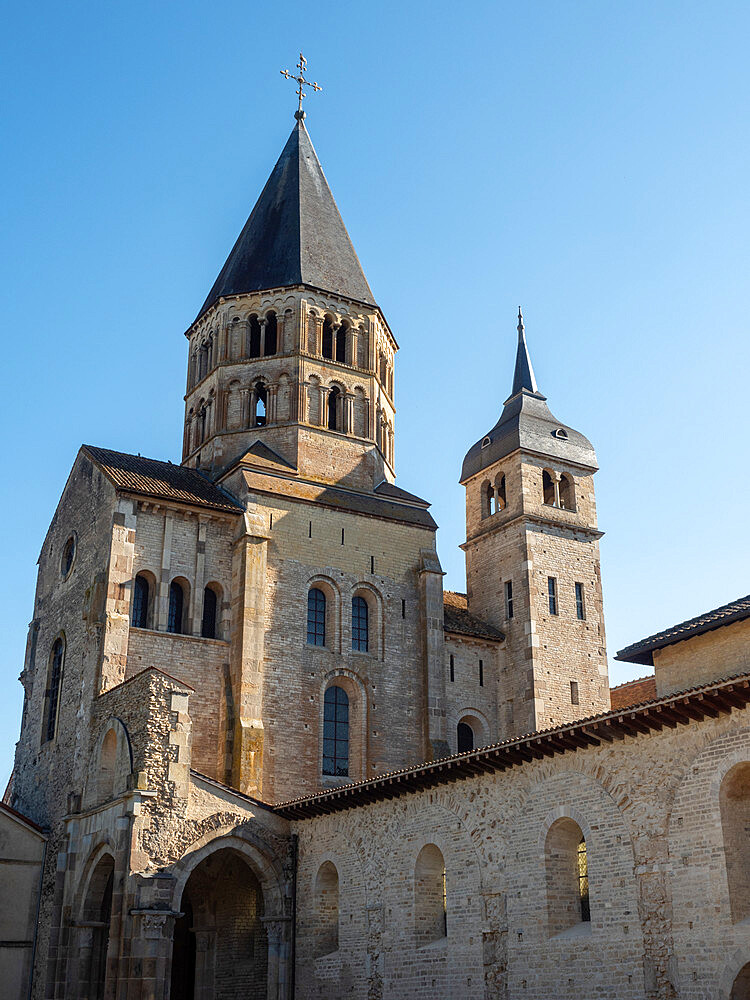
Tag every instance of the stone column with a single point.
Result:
(244, 407)
(318, 336)
(196, 598)
(162, 609)
(249, 559)
(281, 333)
(271, 393)
(556, 481)
(430, 576)
(349, 412)
(353, 336)
(116, 597)
(149, 966)
(263, 323)
(205, 964)
(323, 421)
(278, 932)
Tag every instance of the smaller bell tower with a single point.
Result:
(532, 558)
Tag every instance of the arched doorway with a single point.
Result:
(741, 988)
(220, 943)
(94, 928)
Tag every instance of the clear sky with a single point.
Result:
(587, 160)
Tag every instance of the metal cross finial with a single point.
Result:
(299, 114)
(520, 320)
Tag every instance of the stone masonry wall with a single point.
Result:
(724, 652)
(661, 925)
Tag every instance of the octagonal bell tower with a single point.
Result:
(290, 357)
(532, 557)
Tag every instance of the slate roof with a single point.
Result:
(456, 618)
(526, 422)
(386, 489)
(642, 652)
(161, 480)
(295, 234)
(633, 692)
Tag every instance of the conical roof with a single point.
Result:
(527, 423)
(295, 234)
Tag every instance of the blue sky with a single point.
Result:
(587, 160)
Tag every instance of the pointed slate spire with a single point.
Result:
(295, 234)
(523, 376)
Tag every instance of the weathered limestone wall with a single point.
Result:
(661, 924)
(480, 705)
(21, 858)
(386, 685)
(724, 652)
(524, 544)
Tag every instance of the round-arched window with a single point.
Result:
(68, 556)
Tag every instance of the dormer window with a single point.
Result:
(561, 433)
(486, 442)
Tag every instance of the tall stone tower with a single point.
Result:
(532, 557)
(290, 352)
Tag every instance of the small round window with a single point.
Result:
(68, 556)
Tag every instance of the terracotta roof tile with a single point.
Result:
(457, 618)
(633, 692)
(161, 480)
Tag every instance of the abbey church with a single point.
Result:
(264, 754)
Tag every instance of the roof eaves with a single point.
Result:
(694, 704)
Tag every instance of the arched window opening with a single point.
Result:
(221, 947)
(254, 338)
(68, 556)
(210, 605)
(176, 606)
(464, 737)
(53, 690)
(336, 732)
(383, 365)
(488, 496)
(107, 767)
(548, 489)
(141, 595)
(327, 897)
(583, 881)
(271, 334)
(202, 424)
(567, 494)
(341, 334)
(360, 624)
(567, 876)
(97, 914)
(500, 500)
(259, 391)
(734, 807)
(327, 344)
(333, 408)
(316, 617)
(430, 896)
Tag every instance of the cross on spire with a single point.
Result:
(299, 114)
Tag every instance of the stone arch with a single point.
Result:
(333, 608)
(356, 692)
(232, 899)
(147, 612)
(360, 428)
(376, 616)
(477, 722)
(92, 929)
(327, 908)
(314, 415)
(111, 764)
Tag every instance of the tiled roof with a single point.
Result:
(642, 652)
(457, 618)
(695, 704)
(162, 480)
(633, 692)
